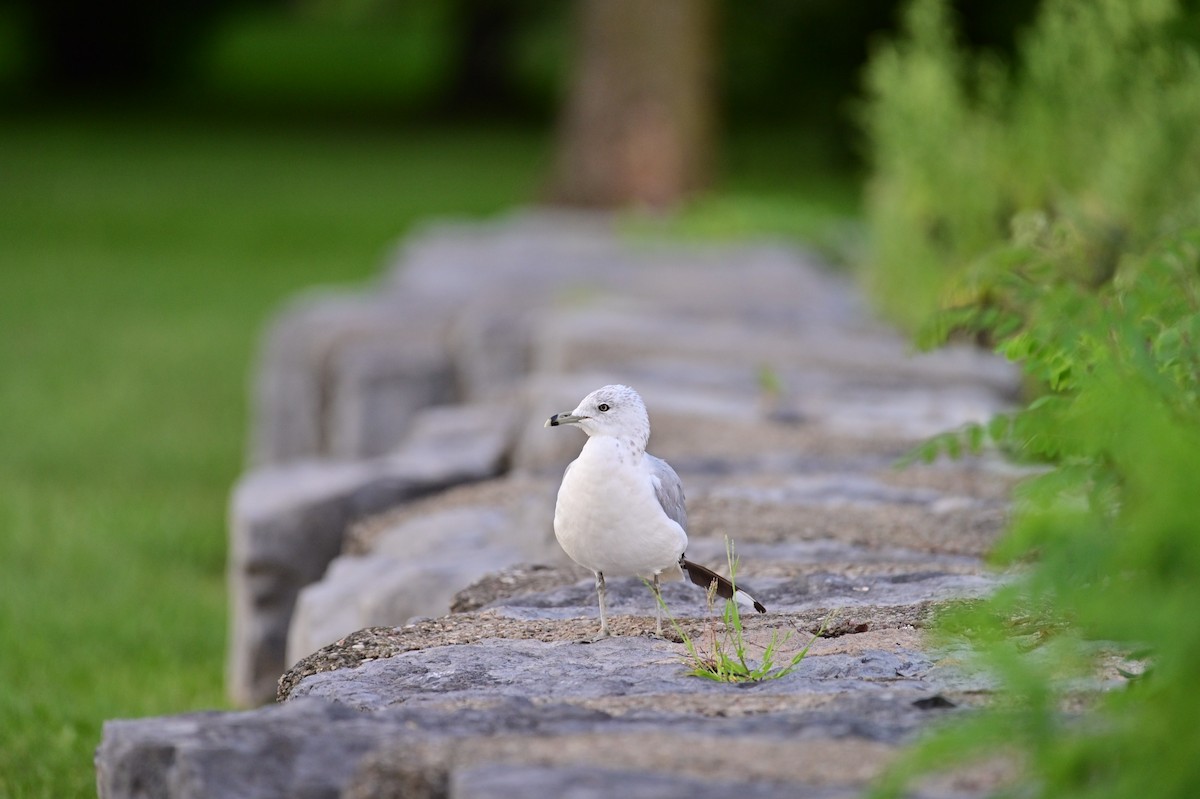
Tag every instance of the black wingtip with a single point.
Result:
(706, 578)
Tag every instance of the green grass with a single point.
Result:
(139, 257)
(138, 260)
(724, 654)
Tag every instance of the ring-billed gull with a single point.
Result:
(620, 510)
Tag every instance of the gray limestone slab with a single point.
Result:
(779, 400)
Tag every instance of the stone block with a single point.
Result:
(339, 374)
(307, 750)
(457, 443)
(489, 346)
(416, 570)
(286, 525)
(522, 317)
(531, 254)
(377, 385)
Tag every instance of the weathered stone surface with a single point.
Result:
(730, 423)
(306, 749)
(598, 765)
(778, 400)
(416, 570)
(801, 582)
(611, 669)
(376, 643)
(412, 560)
(524, 578)
(287, 523)
(528, 502)
(695, 335)
(549, 710)
(597, 782)
(340, 374)
(873, 594)
(377, 386)
(860, 509)
(315, 749)
(526, 253)
(612, 334)
(489, 348)
(452, 444)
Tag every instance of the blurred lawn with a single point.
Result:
(138, 259)
(137, 263)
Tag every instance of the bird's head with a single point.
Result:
(615, 411)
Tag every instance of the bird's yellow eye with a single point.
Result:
(602, 407)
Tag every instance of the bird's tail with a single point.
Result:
(706, 577)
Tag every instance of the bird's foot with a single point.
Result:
(657, 635)
(591, 639)
(670, 636)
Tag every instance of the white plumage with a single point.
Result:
(620, 510)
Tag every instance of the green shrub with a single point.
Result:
(1052, 209)
(1095, 124)
(1110, 532)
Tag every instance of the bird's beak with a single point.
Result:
(563, 418)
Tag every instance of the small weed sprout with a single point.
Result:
(724, 656)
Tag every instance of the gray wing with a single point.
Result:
(668, 488)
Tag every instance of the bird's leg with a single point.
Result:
(601, 590)
(658, 603)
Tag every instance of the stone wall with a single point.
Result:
(443, 372)
(400, 470)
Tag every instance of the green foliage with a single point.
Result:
(1069, 241)
(387, 60)
(1090, 134)
(289, 61)
(1110, 532)
(1143, 326)
(725, 655)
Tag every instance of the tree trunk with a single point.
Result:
(638, 125)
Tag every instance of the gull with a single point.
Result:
(620, 510)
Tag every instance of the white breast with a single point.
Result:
(608, 518)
